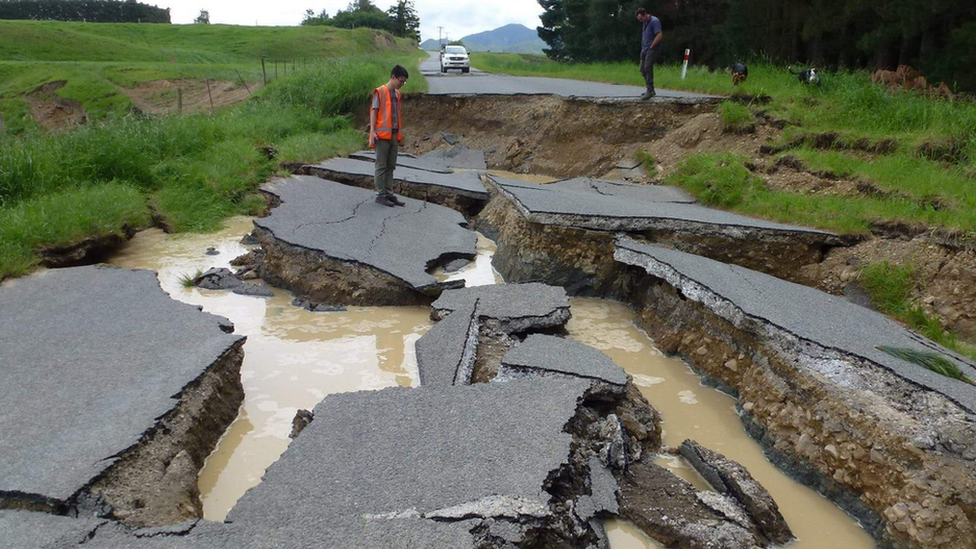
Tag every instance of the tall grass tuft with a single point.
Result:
(735, 118)
(929, 360)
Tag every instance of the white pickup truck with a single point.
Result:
(455, 57)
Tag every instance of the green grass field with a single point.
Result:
(98, 59)
(186, 172)
(934, 189)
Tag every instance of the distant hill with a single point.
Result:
(512, 38)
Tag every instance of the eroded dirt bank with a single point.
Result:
(541, 134)
(944, 262)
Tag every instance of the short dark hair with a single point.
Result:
(399, 72)
(641, 11)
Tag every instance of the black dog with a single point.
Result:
(809, 77)
(739, 73)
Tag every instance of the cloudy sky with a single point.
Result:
(458, 17)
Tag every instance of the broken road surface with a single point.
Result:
(92, 358)
(334, 244)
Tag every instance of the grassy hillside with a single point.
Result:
(57, 41)
(99, 62)
(184, 173)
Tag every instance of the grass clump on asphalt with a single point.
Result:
(735, 118)
(928, 360)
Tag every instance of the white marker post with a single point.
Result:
(684, 67)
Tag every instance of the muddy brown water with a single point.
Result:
(295, 358)
(691, 410)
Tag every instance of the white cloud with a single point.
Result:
(458, 17)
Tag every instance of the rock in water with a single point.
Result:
(729, 477)
(217, 279)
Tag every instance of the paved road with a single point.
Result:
(482, 83)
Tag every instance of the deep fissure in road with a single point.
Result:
(663, 445)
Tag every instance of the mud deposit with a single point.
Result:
(691, 410)
(293, 357)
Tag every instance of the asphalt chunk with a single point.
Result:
(544, 355)
(510, 308)
(344, 223)
(453, 453)
(741, 295)
(626, 207)
(91, 358)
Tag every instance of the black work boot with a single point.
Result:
(396, 201)
(648, 95)
(385, 199)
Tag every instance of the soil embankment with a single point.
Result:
(542, 134)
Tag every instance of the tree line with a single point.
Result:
(400, 20)
(99, 11)
(937, 37)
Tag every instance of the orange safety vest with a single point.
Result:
(384, 126)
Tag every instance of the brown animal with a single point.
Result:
(907, 78)
(885, 78)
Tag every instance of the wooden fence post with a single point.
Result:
(210, 95)
(264, 72)
(179, 100)
(242, 81)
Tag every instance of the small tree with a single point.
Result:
(406, 23)
(312, 20)
(203, 18)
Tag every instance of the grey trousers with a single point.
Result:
(647, 67)
(386, 159)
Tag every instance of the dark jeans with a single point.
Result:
(386, 159)
(647, 67)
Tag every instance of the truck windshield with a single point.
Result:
(455, 49)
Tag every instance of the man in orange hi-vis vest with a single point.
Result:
(385, 123)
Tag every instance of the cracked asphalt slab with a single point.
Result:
(463, 183)
(393, 468)
(551, 355)
(344, 223)
(91, 357)
(26, 529)
(736, 293)
(482, 83)
(452, 453)
(625, 191)
(449, 348)
(514, 307)
(625, 207)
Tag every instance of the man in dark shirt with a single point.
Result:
(651, 36)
